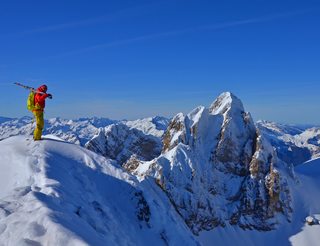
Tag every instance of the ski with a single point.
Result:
(29, 88)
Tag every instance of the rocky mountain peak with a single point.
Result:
(216, 167)
(226, 102)
(222, 131)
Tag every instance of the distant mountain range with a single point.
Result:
(79, 131)
(294, 144)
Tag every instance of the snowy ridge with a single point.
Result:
(56, 193)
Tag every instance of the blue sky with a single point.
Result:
(132, 59)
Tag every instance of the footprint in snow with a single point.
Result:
(37, 230)
(22, 191)
(4, 211)
(3, 227)
(35, 164)
(35, 188)
(29, 242)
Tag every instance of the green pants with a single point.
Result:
(39, 125)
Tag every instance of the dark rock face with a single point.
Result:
(217, 168)
(175, 127)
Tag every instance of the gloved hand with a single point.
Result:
(50, 96)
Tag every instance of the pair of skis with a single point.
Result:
(29, 88)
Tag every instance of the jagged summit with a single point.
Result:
(226, 101)
(224, 128)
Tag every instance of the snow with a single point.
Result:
(14, 172)
(311, 220)
(226, 101)
(155, 126)
(57, 193)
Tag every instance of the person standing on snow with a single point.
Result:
(39, 105)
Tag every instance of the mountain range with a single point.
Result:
(212, 175)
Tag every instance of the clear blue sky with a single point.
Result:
(131, 59)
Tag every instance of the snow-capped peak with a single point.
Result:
(226, 101)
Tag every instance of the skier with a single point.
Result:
(39, 105)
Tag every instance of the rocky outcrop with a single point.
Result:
(175, 133)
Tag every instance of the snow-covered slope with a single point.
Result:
(294, 144)
(57, 193)
(217, 169)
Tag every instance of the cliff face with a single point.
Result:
(217, 168)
